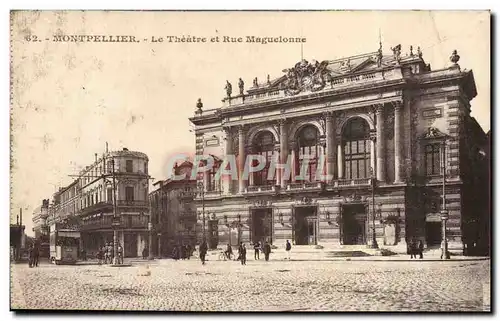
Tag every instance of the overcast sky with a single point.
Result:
(71, 98)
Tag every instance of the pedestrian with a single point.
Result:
(100, 256)
(243, 255)
(182, 251)
(421, 249)
(36, 255)
(240, 250)
(175, 254)
(30, 255)
(413, 249)
(188, 251)
(267, 250)
(120, 254)
(105, 252)
(203, 251)
(288, 248)
(144, 253)
(256, 248)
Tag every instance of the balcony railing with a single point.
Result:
(352, 182)
(305, 186)
(261, 188)
(132, 203)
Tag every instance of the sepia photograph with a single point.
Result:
(244, 161)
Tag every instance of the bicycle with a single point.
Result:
(223, 256)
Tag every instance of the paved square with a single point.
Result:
(271, 286)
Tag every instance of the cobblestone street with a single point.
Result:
(270, 286)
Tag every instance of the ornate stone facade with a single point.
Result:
(365, 116)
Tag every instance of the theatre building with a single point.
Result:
(384, 128)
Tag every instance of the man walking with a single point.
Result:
(203, 251)
(288, 248)
(120, 254)
(36, 255)
(421, 249)
(267, 250)
(256, 248)
(30, 255)
(243, 255)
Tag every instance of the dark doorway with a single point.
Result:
(354, 224)
(213, 234)
(262, 225)
(130, 245)
(433, 234)
(305, 225)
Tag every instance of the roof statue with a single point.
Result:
(397, 53)
(199, 105)
(419, 52)
(255, 82)
(229, 89)
(454, 58)
(241, 86)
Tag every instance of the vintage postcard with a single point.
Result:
(250, 161)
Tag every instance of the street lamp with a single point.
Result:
(444, 211)
(201, 189)
(373, 182)
(116, 219)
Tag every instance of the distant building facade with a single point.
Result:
(173, 211)
(90, 201)
(379, 125)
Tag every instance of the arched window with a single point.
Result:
(308, 148)
(263, 145)
(356, 144)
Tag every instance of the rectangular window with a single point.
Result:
(145, 167)
(129, 166)
(110, 195)
(433, 159)
(129, 193)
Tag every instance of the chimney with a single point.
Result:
(95, 154)
(20, 216)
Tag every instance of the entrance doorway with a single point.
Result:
(433, 234)
(213, 234)
(262, 225)
(305, 225)
(130, 245)
(354, 224)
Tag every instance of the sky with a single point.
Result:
(69, 99)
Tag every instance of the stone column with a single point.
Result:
(241, 158)
(373, 140)
(340, 161)
(227, 181)
(398, 106)
(277, 171)
(380, 144)
(330, 146)
(294, 161)
(283, 151)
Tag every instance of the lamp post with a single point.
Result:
(150, 238)
(374, 236)
(444, 211)
(116, 222)
(201, 189)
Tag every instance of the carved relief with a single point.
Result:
(305, 76)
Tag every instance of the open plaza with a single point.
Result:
(342, 284)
